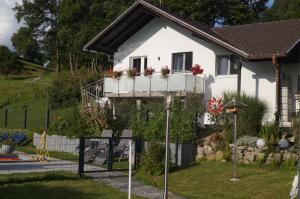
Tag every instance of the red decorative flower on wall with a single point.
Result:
(215, 106)
(196, 69)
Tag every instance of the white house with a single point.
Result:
(259, 59)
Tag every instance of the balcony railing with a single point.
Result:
(142, 85)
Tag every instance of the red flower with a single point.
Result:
(215, 106)
(196, 69)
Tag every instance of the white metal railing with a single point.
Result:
(92, 92)
(178, 82)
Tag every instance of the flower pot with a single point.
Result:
(7, 149)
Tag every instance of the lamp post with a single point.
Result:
(297, 98)
(168, 105)
(234, 107)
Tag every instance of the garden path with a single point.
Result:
(119, 180)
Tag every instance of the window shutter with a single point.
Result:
(188, 61)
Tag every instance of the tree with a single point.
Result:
(286, 9)
(26, 45)
(217, 12)
(41, 18)
(8, 62)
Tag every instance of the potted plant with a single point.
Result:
(131, 73)
(165, 72)
(8, 146)
(148, 72)
(117, 74)
(197, 70)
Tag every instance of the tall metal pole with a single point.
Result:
(130, 169)
(299, 152)
(167, 147)
(235, 148)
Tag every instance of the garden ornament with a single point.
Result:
(41, 149)
(283, 144)
(261, 143)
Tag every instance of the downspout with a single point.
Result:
(278, 88)
(239, 80)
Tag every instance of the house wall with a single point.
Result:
(160, 38)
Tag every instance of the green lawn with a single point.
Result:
(210, 180)
(65, 188)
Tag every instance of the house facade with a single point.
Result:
(261, 60)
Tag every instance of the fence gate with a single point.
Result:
(100, 154)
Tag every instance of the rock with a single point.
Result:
(219, 155)
(270, 158)
(213, 145)
(250, 149)
(292, 139)
(286, 156)
(211, 156)
(277, 156)
(241, 147)
(206, 142)
(200, 153)
(250, 156)
(208, 149)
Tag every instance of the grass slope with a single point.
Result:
(210, 180)
(26, 91)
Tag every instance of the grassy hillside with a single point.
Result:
(28, 90)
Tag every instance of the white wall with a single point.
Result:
(160, 38)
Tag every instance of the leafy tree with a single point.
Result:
(284, 10)
(8, 62)
(26, 46)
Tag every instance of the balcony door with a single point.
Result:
(139, 63)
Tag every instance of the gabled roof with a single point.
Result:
(252, 41)
(262, 40)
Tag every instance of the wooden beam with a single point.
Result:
(278, 88)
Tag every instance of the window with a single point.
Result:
(227, 65)
(182, 61)
(137, 63)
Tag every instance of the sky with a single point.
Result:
(8, 22)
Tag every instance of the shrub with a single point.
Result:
(269, 132)
(65, 91)
(250, 119)
(247, 141)
(75, 125)
(153, 159)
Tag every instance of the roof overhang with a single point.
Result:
(142, 12)
(137, 16)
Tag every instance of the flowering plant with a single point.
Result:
(196, 69)
(149, 71)
(131, 73)
(165, 71)
(117, 74)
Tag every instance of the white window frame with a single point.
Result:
(184, 61)
(228, 66)
(142, 62)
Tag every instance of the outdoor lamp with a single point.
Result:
(234, 107)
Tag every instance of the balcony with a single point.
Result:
(179, 83)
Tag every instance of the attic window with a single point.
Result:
(227, 65)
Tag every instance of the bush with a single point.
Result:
(250, 119)
(65, 91)
(269, 132)
(153, 159)
(247, 141)
(75, 125)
